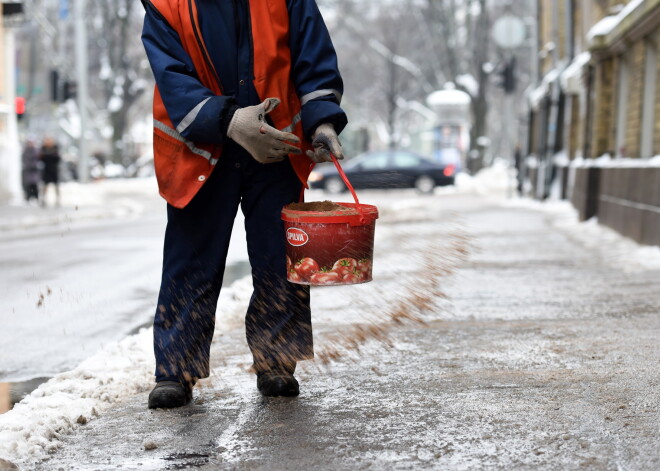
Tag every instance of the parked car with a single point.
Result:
(384, 169)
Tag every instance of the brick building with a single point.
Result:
(597, 95)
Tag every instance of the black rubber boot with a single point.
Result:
(277, 383)
(170, 394)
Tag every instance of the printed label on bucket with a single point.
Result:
(329, 254)
(296, 236)
(345, 271)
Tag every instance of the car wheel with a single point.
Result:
(334, 185)
(424, 184)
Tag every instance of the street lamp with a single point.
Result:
(509, 32)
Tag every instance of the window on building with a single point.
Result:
(648, 103)
(622, 106)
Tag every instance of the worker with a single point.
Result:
(247, 100)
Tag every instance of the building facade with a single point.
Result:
(595, 111)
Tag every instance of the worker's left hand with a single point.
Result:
(325, 142)
(249, 129)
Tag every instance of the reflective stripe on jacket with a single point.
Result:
(201, 69)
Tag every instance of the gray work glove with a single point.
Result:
(325, 141)
(248, 128)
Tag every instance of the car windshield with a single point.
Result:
(371, 160)
(405, 160)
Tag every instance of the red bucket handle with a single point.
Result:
(343, 176)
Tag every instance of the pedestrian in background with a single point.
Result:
(50, 158)
(30, 171)
(243, 88)
(518, 162)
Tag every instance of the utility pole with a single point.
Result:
(509, 33)
(547, 159)
(10, 149)
(82, 89)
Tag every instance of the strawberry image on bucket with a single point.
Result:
(330, 243)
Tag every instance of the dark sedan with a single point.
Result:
(384, 169)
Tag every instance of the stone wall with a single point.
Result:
(626, 199)
(584, 194)
(656, 139)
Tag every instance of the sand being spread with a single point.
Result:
(420, 296)
(418, 300)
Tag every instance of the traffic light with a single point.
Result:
(61, 90)
(507, 76)
(70, 90)
(20, 106)
(55, 92)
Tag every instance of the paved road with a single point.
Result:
(546, 358)
(72, 281)
(66, 291)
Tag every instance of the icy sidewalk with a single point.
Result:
(544, 357)
(34, 427)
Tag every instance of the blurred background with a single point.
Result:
(539, 85)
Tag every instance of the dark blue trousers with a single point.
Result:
(278, 320)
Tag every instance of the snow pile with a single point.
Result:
(469, 83)
(34, 426)
(606, 161)
(609, 23)
(448, 98)
(570, 78)
(496, 180)
(603, 27)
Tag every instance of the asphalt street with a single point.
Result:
(545, 356)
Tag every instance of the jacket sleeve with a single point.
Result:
(314, 67)
(196, 112)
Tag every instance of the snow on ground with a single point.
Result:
(611, 246)
(101, 199)
(32, 428)
(496, 181)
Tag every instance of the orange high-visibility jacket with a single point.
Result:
(182, 166)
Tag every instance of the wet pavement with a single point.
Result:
(46, 258)
(12, 393)
(545, 357)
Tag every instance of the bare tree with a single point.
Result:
(119, 63)
(118, 70)
(382, 60)
(460, 29)
(398, 52)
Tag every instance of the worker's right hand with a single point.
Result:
(250, 130)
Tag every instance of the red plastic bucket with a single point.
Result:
(330, 247)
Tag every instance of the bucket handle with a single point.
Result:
(363, 219)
